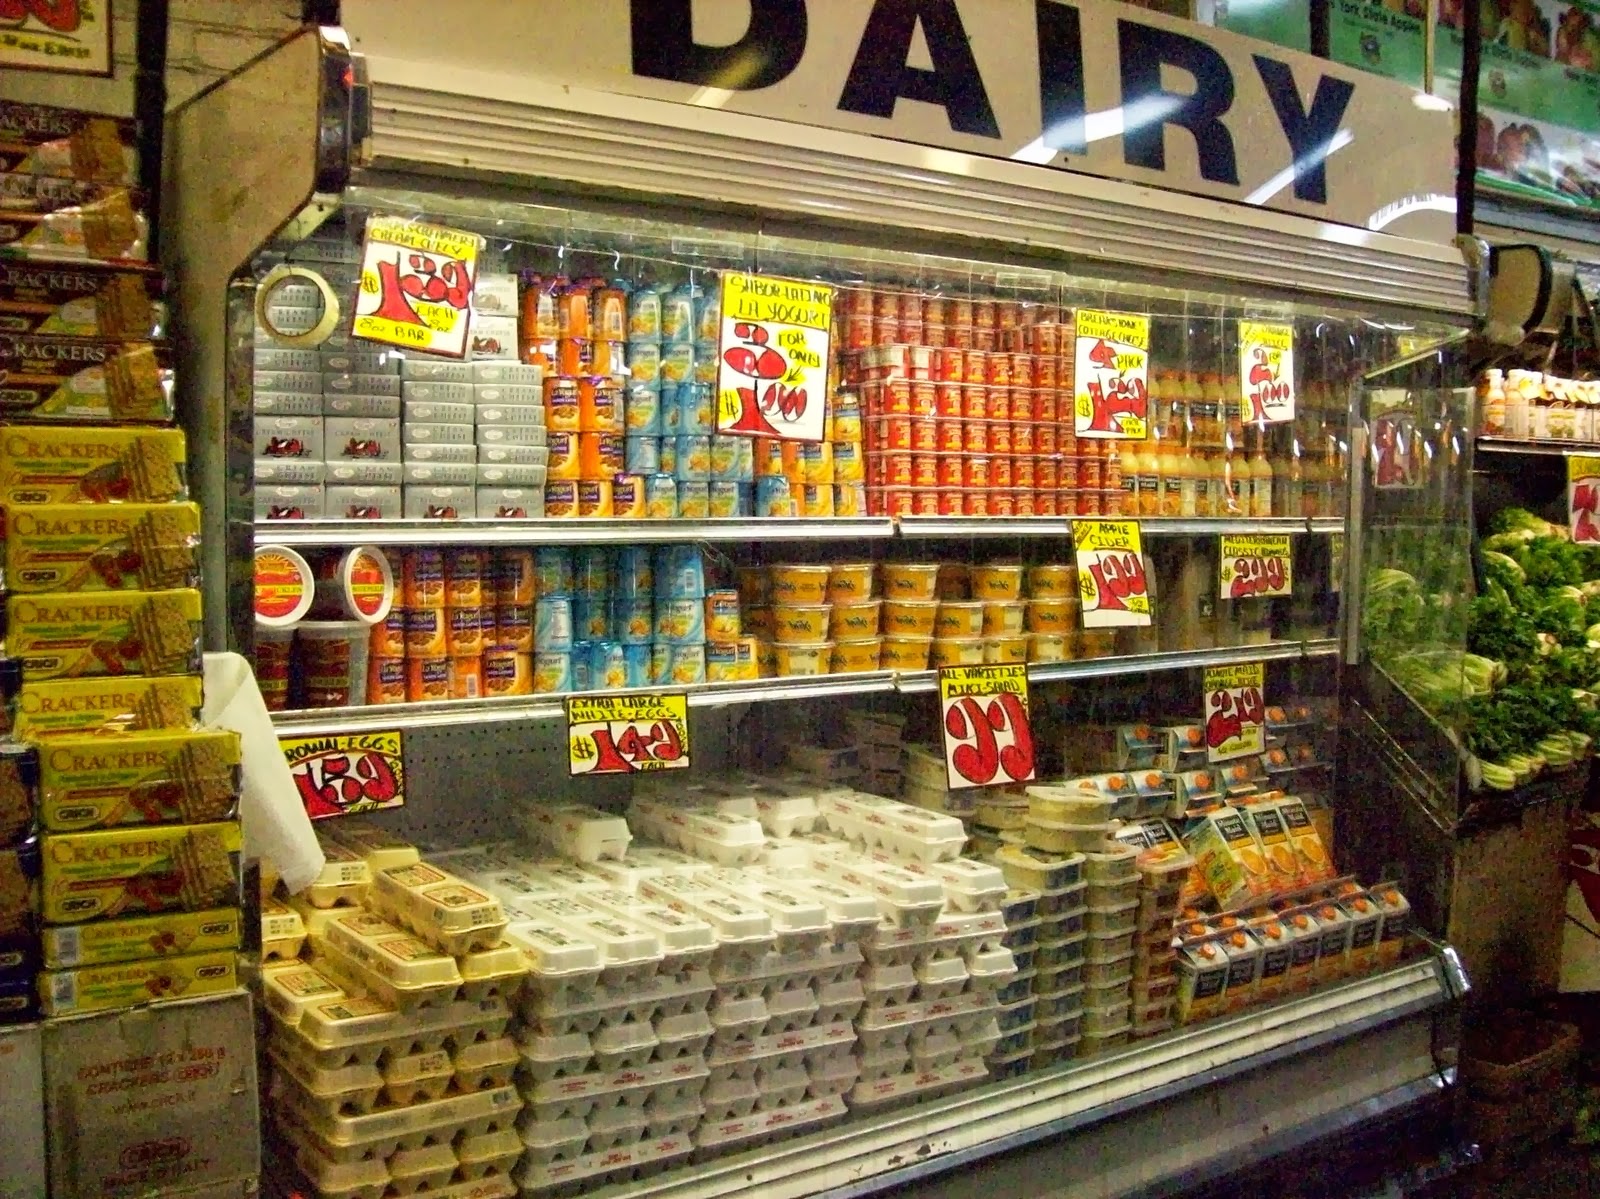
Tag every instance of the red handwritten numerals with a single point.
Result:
(338, 782)
(426, 277)
(1585, 502)
(1113, 395)
(1231, 710)
(622, 753)
(1116, 578)
(1253, 576)
(978, 722)
(1263, 385)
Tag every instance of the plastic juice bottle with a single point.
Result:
(1235, 486)
(1287, 477)
(1233, 408)
(1207, 488)
(1149, 481)
(1216, 406)
(1129, 469)
(1258, 476)
(1177, 484)
(1111, 471)
(1312, 481)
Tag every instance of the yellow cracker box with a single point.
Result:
(105, 705)
(110, 779)
(168, 934)
(104, 633)
(116, 872)
(125, 984)
(102, 547)
(47, 465)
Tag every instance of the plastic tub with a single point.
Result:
(1048, 647)
(996, 581)
(856, 619)
(849, 582)
(906, 653)
(1059, 1003)
(850, 657)
(1064, 908)
(801, 624)
(958, 651)
(1039, 871)
(1019, 905)
(1091, 1044)
(1111, 895)
(334, 658)
(910, 580)
(958, 619)
(1113, 920)
(1052, 955)
(1052, 616)
(1098, 1021)
(1068, 806)
(1005, 618)
(799, 584)
(909, 618)
(1061, 837)
(1115, 865)
(795, 660)
(1108, 949)
(1050, 580)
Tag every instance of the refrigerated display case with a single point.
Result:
(833, 612)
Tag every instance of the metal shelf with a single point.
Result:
(1548, 449)
(1149, 526)
(592, 531)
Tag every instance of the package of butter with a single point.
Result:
(904, 899)
(85, 381)
(580, 831)
(283, 932)
(345, 878)
(93, 633)
(112, 547)
(80, 299)
(390, 963)
(438, 907)
(105, 705)
(380, 848)
(71, 465)
(125, 984)
(133, 937)
(66, 218)
(117, 872)
(107, 780)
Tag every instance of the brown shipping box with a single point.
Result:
(156, 1100)
(22, 1169)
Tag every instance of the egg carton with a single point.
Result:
(488, 1156)
(417, 1077)
(908, 832)
(628, 1164)
(485, 1065)
(840, 1001)
(904, 899)
(790, 1010)
(1012, 1065)
(888, 1092)
(425, 1169)
(969, 885)
(349, 1091)
(578, 831)
(813, 967)
(367, 1179)
(730, 1096)
(762, 1126)
(581, 1095)
(781, 1087)
(660, 995)
(889, 986)
(702, 831)
(629, 953)
(940, 979)
(1021, 934)
(831, 1075)
(1014, 1041)
(775, 1051)
(623, 1046)
(800, 922)
(743, 928)
(785, 815)
(737, 1018)
(358, 1030)
(438, 908)
(854, 913)
(686, 943)
(888, 1058)
(686, 1034)
(291, 987)
(382, 1133)
(488, 973)
(433, 981)
(548, 1056)
(342, 881)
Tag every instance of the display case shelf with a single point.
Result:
(1149, 526)
(1549, 449)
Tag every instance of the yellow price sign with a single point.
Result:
(1266, 371)
(1111, 574)
(772, 356)
(983, 718)
(1111, 369)
(1234, 710)
(416, 286)
(1255, 566)
(1583, 497)
(627, 734)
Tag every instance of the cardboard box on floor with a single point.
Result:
(158, 1099)
(22, 1158)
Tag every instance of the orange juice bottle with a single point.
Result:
(1170, 465)
(1132, 467)
(1150, 474)
(1287, 479)
(1260, 476)
(1233, 408)
(1111, 472)
(1215, 407)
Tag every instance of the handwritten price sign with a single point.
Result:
(627, 734)
(1111, 375)
(1111, 578)
(416, 286)
(339, 776)
(1583, 497)
(983, 711)
(1266, 371)
(1235, 713)
(772, 358)
(1255, 566)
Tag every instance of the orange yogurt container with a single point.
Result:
(909, 618)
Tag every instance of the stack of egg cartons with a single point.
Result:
(937, 960)
(392, 1070)
(926, 783)
(1163, 871)
(1046, 905)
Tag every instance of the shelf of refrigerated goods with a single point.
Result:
(875, 1154)
(1149, 526)
(576, 531)
(1519, 445)
(1098, 668)
(309, 722)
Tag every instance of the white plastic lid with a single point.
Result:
(553, 950)
(735, 919)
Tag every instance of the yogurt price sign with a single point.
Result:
(1111, 359)
(1235, 713)
(627, 734)
(1266, 371)
(1111, 577)
(772, 356)
(983, 717)
(1254, 565)
(416, 286)
(1583, 497)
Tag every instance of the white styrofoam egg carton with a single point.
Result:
(582, 1095)
(840, 1000)
(738, 922)
(570, 877)
(471, 860)
(644, 1001)
(790, 1009)
(833, 1074)
(897, 828)
(903, 897)
(886, 984)
(884, 1092)
(781, 1087)
(512, 885)
(783, 815)
(785, 859)
(683, 1035)
(799, 921)
(557, 956)
(853, 913)
(721, 837)
(628, 952)
(751, 1056)
(551, 1141)
(579, 830)
(941, 978)
(686, 941)
(532, 1175)
(546, 1057)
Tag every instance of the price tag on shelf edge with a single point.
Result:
(348, 773)
(1254, 565)
(1111, 379)
(1234, 710)
(1111, 576)
(416, 286)
(772, 356)
(1266, 371)
(627, 734)
(983, 712)
(1583, 497)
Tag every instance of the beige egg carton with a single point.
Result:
(360, 1179)
(484, 1065)
(423, 1169)
(442, 910)
(491, 973)
(345, 1091)
(380, 848)
(486, 1160)
(621, 1164)
(880, 1093)
(775, 1051)
(417, 1077)
(361, 1029)
(580, 1096)
(762, 1126)
(658, 996)
(343, 879)
(283, 932)
(426, 979)
(291, 988)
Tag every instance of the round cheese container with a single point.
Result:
(357, 585)
(284, 587)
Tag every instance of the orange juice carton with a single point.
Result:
(1203, 967)
(1244, 968)
(1305, 940)
(1312, 862)
(1333, 947)
(1227, 857)
(1277, 952)
(1276, 851)
(1145, 747)
(1155, 793)
(1366, 922)
(1396, 929)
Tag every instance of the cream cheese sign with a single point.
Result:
(1088, 85)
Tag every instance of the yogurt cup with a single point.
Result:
(801, 623)
(797, 659)
(849, 581)
(958, 619)
(1047, 647)
(958, 651)
(905, 653)
(1051, 616)
(854, 619)
(800, 584)
(1053, 580)
(910, 580)
(856, 655)
(1002, 651)
(909, 618)
(996, 581)
(1004, 617)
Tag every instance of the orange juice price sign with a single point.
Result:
(416, 286)
(772, 356)
(983, 715)
(1111, 361)
(1266, 371)
(1235, 713)
(1255, 565)
(1111, 578)
(1583, 497)
(627, 734)
(348, 773)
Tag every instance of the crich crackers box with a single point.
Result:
(155, 1100)
(22, 1162)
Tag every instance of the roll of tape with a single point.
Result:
(325, 325)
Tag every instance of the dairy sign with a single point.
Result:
(1088, 86)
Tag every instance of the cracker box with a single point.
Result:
(165, 934)
(80, 299)
(165, 777)
(66, 218)
(41, 139)
(145, 1102)
(95, 633)
(19, 793)
(84, 381)
(128, 984)
(105, 705)
(121, 547)
(22, 1165)
(122, 872)
(71, 465)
